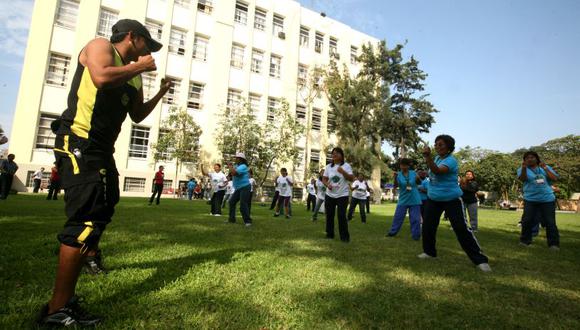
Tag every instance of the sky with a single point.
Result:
(504, 74)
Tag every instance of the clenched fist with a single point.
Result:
(147, 63)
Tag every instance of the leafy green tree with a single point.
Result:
(178, 140)
(265, 144)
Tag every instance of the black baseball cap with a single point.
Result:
(126, 25)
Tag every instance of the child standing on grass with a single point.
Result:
(320, 195)
(229, 191)
(359, 197)
(311, 190)
(284, 184)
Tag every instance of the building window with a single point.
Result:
(57, 69)
(241, 14)
(257, 61)
(329, 157)
(255, 102)
(134, 184)
(200, 44)
(44, 135)
(177, 41)
(183, 3)
(275, 65)
(301, 114)
(66, 14)
(167, 185)
(205, 6)
(304, 36)
(330, 122)
(260, 19)
(234, 99)
(195, 96)
(333, 47)
(172, 95)
(148, 84)
(278, 26)
(316, 119)
(353, 55)
(139, 141)
(237, 60)
(314, 156)
(106, 20)
(155, 29)
(273, 105)
(302, 73)
(319, 42)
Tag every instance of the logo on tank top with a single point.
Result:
(335, 179)
(125, 99)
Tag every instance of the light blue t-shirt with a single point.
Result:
(537, 188)
(425, 185)
(191, 185)
(444, 187)
(242, 177)
(406, 196)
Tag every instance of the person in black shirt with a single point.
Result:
(470, 187)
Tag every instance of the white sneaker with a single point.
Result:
(249, 224)
(484, 267)
(217, 215)
(425, 256)
(555, 248)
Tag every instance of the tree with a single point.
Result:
(309, 88)
(496, 172)
(264, 144)
(357, 107)
(178, 139)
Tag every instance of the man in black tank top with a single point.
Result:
(106, 87)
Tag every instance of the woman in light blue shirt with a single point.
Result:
(444, 195)
(409, 199)
(539, 199)
(241, 180)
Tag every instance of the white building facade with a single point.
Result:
(217, 52)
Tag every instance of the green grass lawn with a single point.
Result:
(175, 267)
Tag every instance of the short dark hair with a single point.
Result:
(448, 140)
(406, 161)
(341, 152)
(470, 171)
(219, 165)
(11, 155)
(533, 153)
(283, 169)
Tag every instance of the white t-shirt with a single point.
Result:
(252, 184)
(37, 175)
(338, 183)
(360, 192)
(321, 189)
(230, 188)
(218, 181)
(283, 184)
(368, 194)
(310, 189)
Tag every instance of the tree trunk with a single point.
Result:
(402, 148)
(266, 173)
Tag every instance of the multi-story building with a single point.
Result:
(217, 52)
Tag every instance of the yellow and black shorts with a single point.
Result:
(91, 183)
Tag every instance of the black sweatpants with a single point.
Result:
(157, 191)
(339, 206)
(536, 213)
(455, 211)
(361, 207)
(274, 200)
(311, 200)
(216, 201)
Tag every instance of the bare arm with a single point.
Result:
(524, 174)
(348, 176)
(141, 110)
(98, 57)
(431, 163)
(551, 175)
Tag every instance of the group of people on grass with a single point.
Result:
(84, 146)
